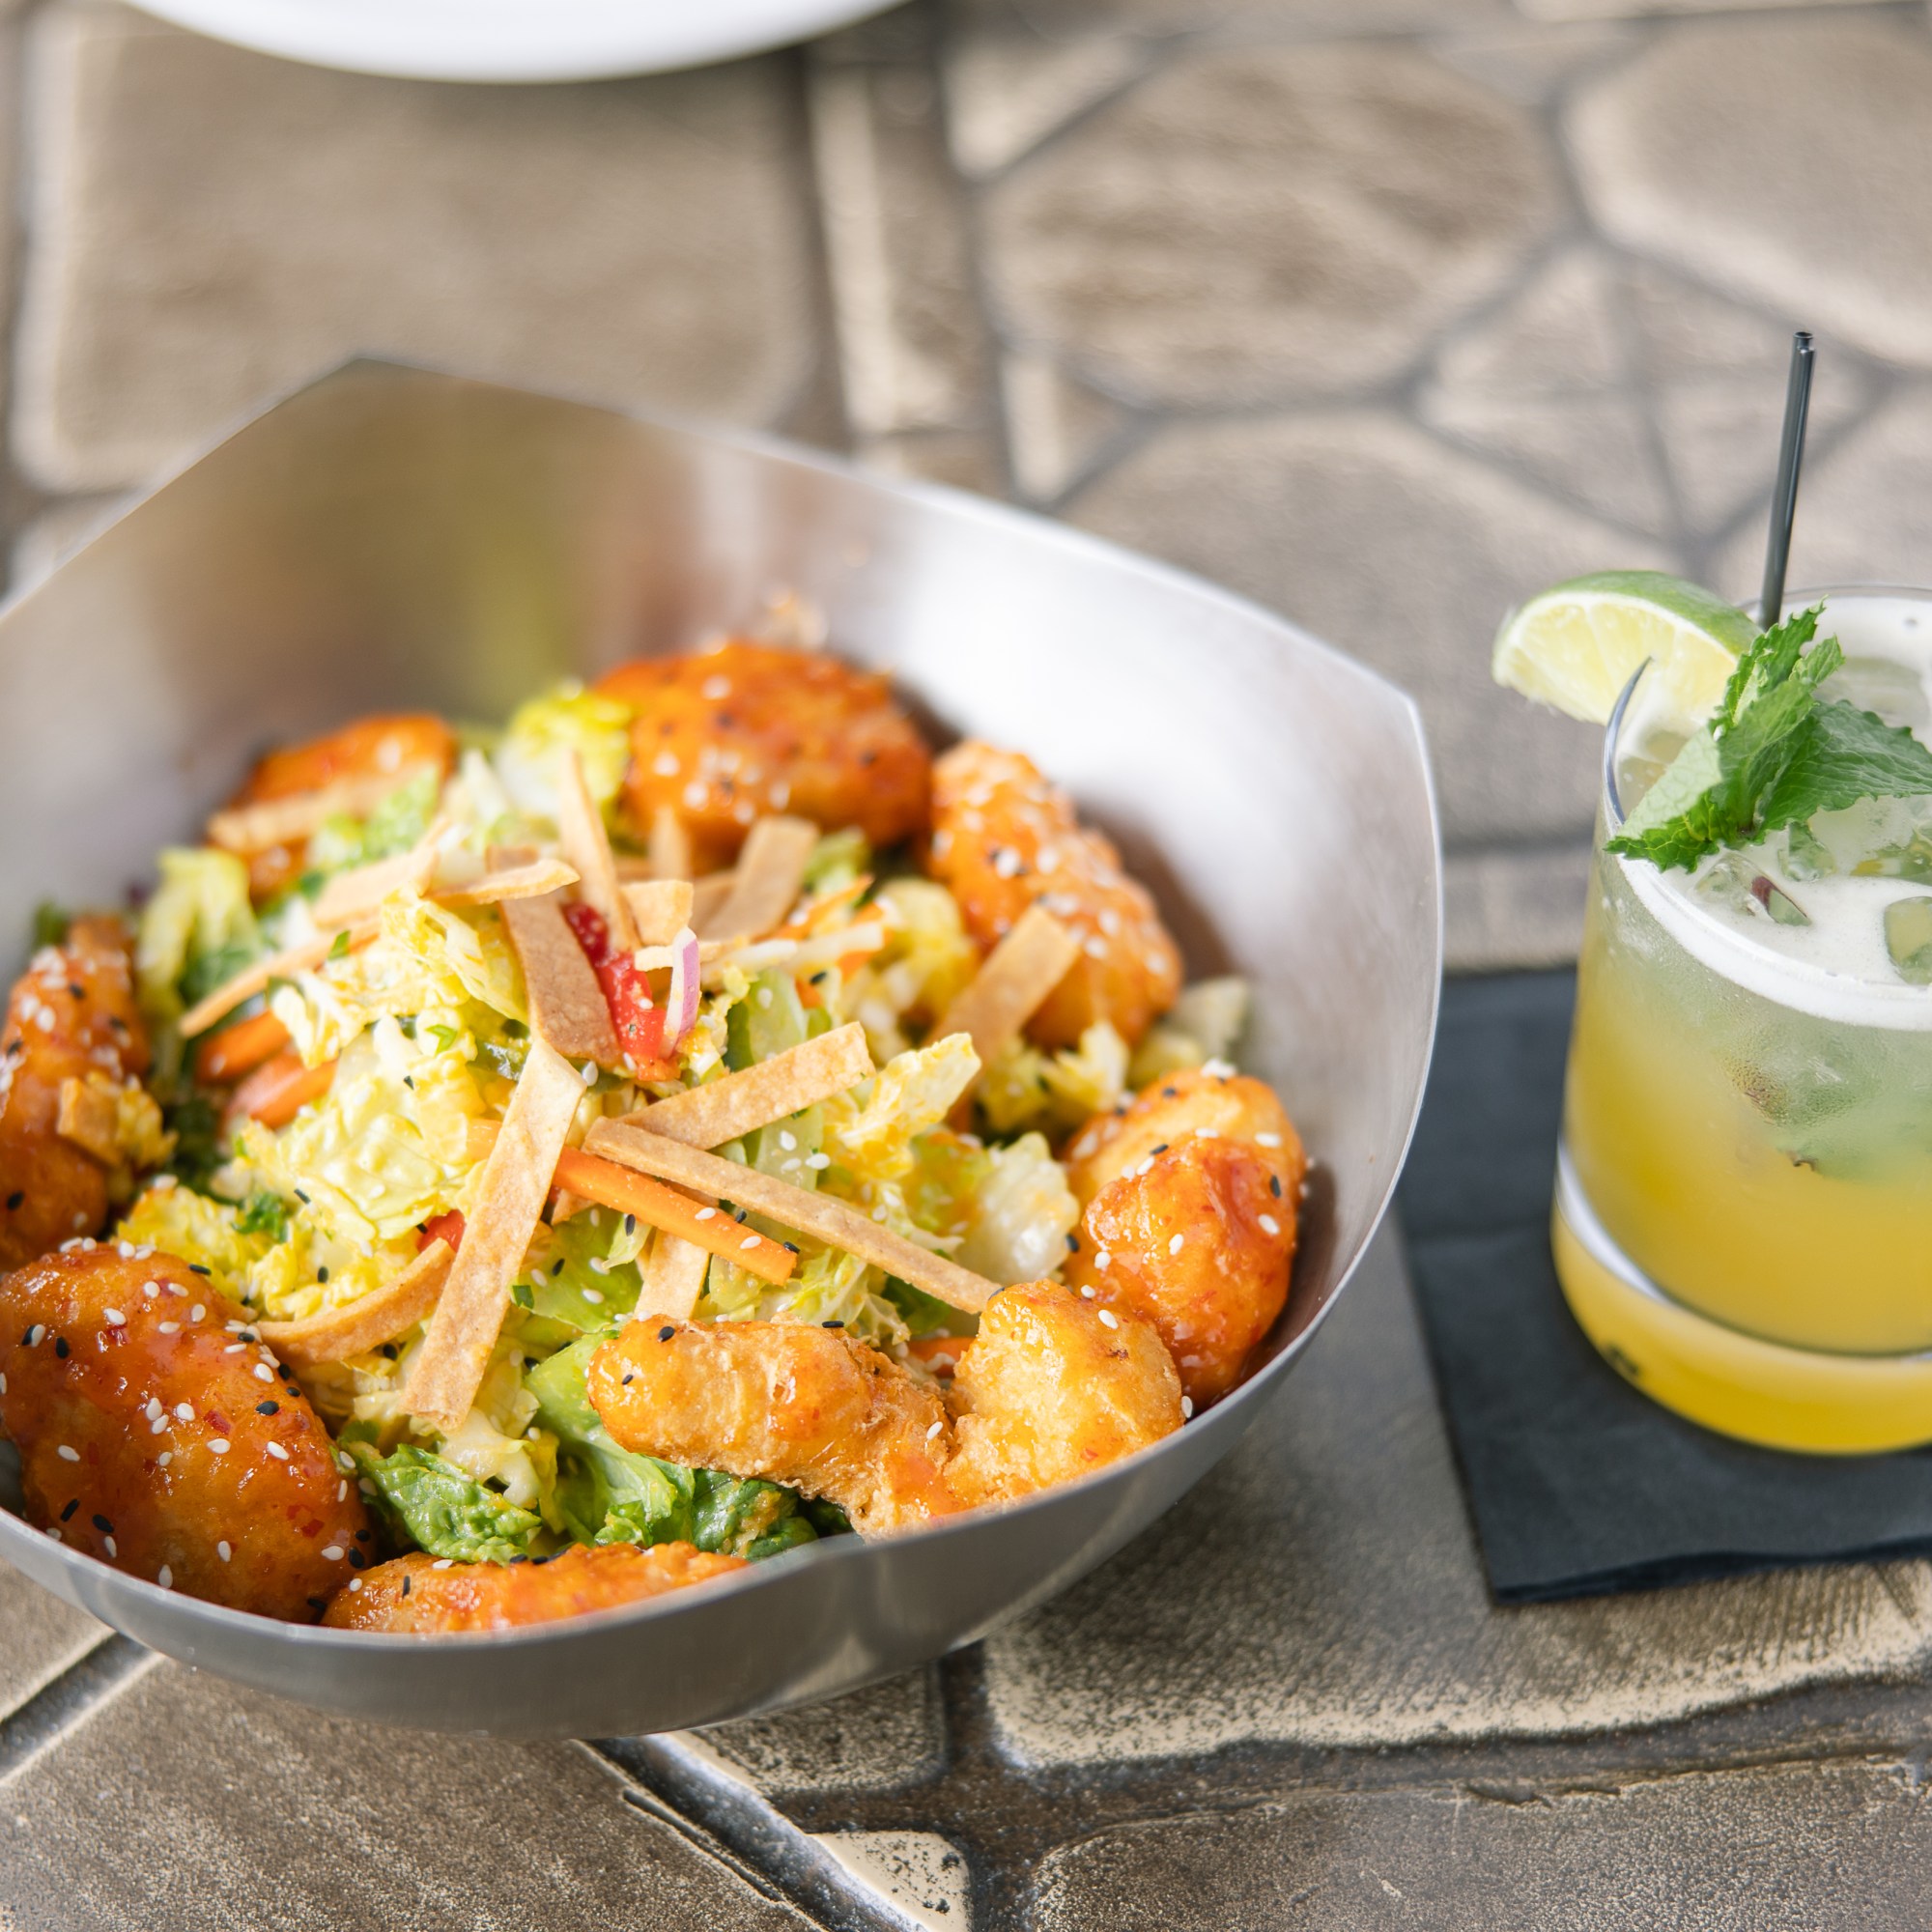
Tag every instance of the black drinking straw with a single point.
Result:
(1785, 498)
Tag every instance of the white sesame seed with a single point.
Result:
(751, 1242)
(68, 1455)
(53, 1530)
(715, 688)
(705, 1215)
(33, 1335)
(818, 1162)
(1206, 1133)
(790, 1166)
(2, 1385)
(276, 1450)
(218, 1445)
(1218, 1069)
(1103, 1260)
(165, 1578)
(593, 1295)
(590, 1074)
(158, 1425)
(787, 1139)
(1108, 1319)
(664, 765)
(175, 1288)
(934, 1431)
(114, 1318)
(222, 1551)
(263, 1372)
(149, 1289)
(342, 1491)
(346, 1464)
(184, 1410)
(235, 1348)
(162, 1460)
(335, 1553)
(1267, 1140)
(198, 1311)
(125, 1249)
(1270, 1225)
(1186, 1405)
(440, 1563)
(168, 1327)
(354, 1584)
(113, 1548)
(1174, 1246)
(1087, 1293)
(696, 793)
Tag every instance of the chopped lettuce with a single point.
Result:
(202, 1232)
(542, 731)
(1204, 1025)
(431, 1503)
(1020, 1216)
(837, 861)
(909, 1094)
(197, 931)
(1055, 1093)
(397, 822)
(912, 978)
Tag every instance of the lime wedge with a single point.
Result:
(1577, 645)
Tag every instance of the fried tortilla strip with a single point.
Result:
(1012, 984)
(88, 1117)
(670, 847)
(284, 965)
(770, 874)
(529, 881)
(509, 1203)
(567, 1006)
(378, 1317)
(360, 892)
(664, 1208)
(818, 1215)
(708, 898)
(586, 846)
(774, 1090)
(661, 909)
(286, 821)
(674, 1273)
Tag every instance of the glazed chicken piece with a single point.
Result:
(723, 737)
(1190, 1200)
(1004, 839)
(805, 1406)
(153, 1436)
(72, 1016)
(369, 757)
(1053, 1387)
(416, 1593)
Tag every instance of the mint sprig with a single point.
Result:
(1772, 756)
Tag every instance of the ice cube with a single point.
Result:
(1871, 829)
(1894, 690)
(1907, 938)
(1803, 856)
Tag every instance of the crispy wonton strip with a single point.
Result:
(359, 892)
(709, 897)
(567, 1006)
(497, 1233)
(285, 965)
(670, 847)
(1011, 984)
(281, 821)
(830, 1221)
(530, 881)
(88, 1116)
(661, 909)
(674, 1273)
(774, 1090)
(586, 846)
(657, 1206)
(771, 871)
(378, 1317)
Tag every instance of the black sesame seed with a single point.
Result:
(15, 1199)
(1169, 1092)
(557, 1269)
(790, 1247)
(819, 978)
(301, 1197)
(1161, 1149)
(101, 1523)
(664, 1334)
(356, 1560)
(405, 1586)
(67, 1515)
(195, 1268)
(362, 1536)
(267, 1408)
(32, 1335)
(520, 1559)
(322, 1274)
(627, 1377)
(1073, 1245)
(1274, 1185)
(318, 1604)
(60, 1347)
(630, 1224)
(78, 991)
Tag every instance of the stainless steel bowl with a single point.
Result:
(392, 537)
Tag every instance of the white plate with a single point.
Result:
(511, 40)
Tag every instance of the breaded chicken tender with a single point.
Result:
(153, 1437)
(1004, 839)
(72, 1016)
(416, 1593)
(723, 737)
(388, 745)
(1053, 1387)
(805, 1406)
(1190, 1202)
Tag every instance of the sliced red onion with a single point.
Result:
(681, 1001)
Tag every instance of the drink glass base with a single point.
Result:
(1763, 1392)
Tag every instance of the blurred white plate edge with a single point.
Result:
(511, 40)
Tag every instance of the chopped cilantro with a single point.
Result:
(51, 924)
(264, 1214)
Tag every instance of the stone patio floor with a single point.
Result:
(1386, 312)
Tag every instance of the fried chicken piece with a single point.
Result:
(1190, 1202)
(71, 1016)
(416, 1593)
(394, 744)
(725, 736)
(1053, 1387)
(153, 1436)
(806, 1406)
(1004, 840)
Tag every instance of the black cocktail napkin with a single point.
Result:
(1580, 1485)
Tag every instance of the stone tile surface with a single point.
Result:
(1747, 1849)
(1400, 549)
(1267, 221)
(891, 1734)
(181, 1802)
(921, 1878)
(212, 226)
(1321, 1588)
(1514, 906)
(43, 1638)
(1678, 159)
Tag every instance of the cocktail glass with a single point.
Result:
(1742, 1222)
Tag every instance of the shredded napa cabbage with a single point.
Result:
(541, 732)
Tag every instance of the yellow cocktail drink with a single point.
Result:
(1744, 1218)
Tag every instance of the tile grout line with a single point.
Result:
(70, 1699)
